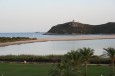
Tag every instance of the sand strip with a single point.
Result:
(21, 42)
(70, 38)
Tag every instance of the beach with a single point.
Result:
(70, 38)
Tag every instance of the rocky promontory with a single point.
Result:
(80, 28)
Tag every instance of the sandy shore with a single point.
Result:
(70, 38)
(21, 42)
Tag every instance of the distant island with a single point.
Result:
(80, 28)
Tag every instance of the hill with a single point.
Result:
(80, 28)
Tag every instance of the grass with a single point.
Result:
(94, 70)
(18, 69)
(12, 69)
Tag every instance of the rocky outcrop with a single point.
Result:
(80, 28)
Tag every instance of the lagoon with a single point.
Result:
(56, 47)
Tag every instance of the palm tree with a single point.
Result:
(111, 53)
(69, 65)
(74, 58)
(57, 70)
(62, 69)
(87, 53)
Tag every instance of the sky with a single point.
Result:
(41, 15)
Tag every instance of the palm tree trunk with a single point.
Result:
(85, 68)
(112, 67)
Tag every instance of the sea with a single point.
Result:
(53, 47)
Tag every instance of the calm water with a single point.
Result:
(37, 35)
(52, 47)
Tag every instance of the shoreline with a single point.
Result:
(71, 38)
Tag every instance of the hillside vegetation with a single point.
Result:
(80, 28)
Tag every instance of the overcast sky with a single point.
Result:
(41, 15)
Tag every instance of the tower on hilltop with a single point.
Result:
(73, 23)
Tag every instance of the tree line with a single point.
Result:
(48, 59)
